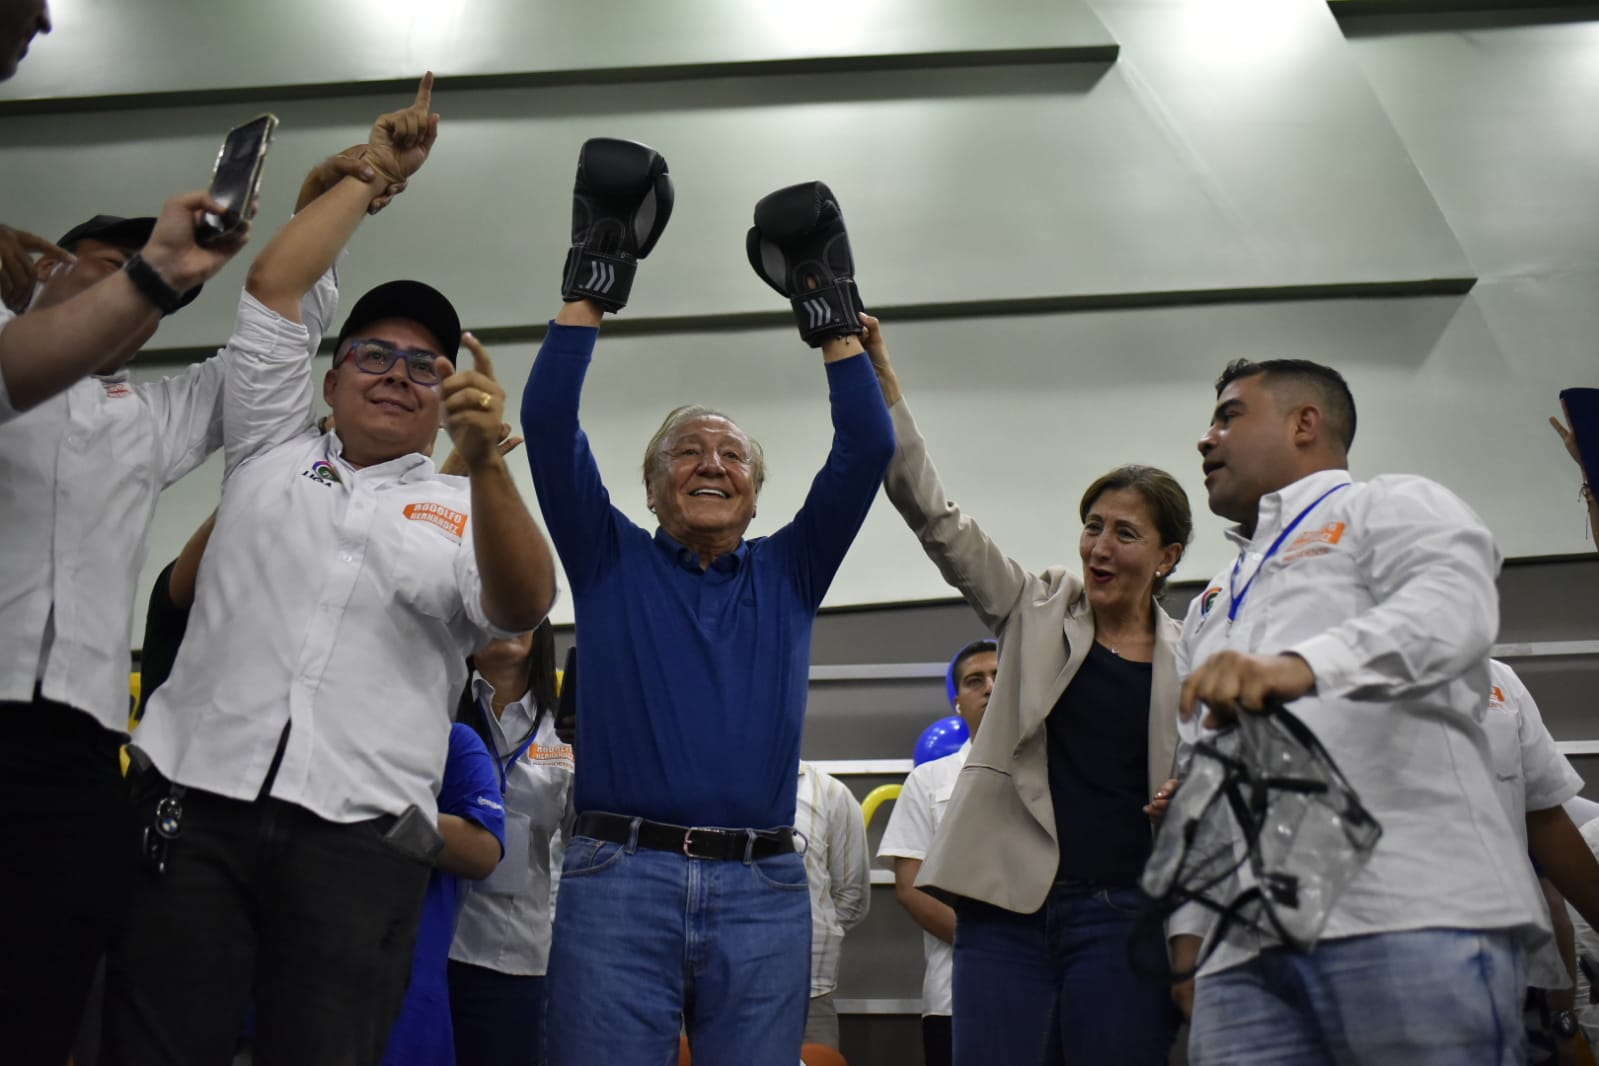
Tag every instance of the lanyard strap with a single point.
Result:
(517, 749)
(1237, 595)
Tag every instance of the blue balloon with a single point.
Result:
(943, 737)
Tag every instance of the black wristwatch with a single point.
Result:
(1565, 1023)
(151, 285)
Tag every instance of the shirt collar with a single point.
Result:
(413, 466)
(1277, 508)
(689, 560)
(519, 709)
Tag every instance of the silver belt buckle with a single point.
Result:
(688, 836)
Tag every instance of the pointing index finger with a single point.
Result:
(424, 93)
(480, 358)
(38, 244)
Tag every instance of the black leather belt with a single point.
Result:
(696, 842)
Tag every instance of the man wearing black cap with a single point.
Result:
(82, 460)
(299, 743)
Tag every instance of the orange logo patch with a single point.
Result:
(1328, 534)
(452, 522)
(1497, 696)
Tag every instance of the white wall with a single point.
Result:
(1233, 145)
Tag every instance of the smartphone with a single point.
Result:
(566, 706)
(414, 833)
(237, 178)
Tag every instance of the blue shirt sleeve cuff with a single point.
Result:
(852, 374)
(571, 340)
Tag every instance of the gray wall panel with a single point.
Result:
(189, 45)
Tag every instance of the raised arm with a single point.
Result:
(1569, 439)
(622, 199)
(512, 556)
(800, 247)
(973, 564)
(268, 397)
(44, 352)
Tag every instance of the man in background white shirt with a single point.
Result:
(84, 453)
(912, 825)
(1371, 606)
(838, 868)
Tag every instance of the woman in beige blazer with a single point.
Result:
(1046, 833)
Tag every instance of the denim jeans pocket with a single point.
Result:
(1121, 900)
(585, 855)
(781, 871)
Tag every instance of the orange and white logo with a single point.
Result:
(1496, 698)
(558, 755)
(1314, 542)
(436, 514)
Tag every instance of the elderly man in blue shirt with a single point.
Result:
(696, 654)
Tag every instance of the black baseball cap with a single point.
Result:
(132, 233)
(421, 303)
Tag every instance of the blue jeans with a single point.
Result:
(648, 942)
(1055, 987)
(1433, 997)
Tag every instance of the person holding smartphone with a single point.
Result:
(84, 453)
(296, 749)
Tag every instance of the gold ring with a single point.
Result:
(484, 400)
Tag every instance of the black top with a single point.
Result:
(164, 625)
(1098, 770)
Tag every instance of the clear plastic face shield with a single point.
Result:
(1264, 831)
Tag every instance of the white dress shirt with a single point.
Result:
(1531, 775)
(912, 824)
(838, 867)
(342, 602)
(1386, 589)
(506, 919)
(79, 478)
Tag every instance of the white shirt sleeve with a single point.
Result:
(267, 397)
(849, 856)
(1430, 565)
(188, 416)
(1548, 778)
(910, 824)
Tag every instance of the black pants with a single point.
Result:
(317, 920)
(498, 1018)
(938, 1040)
(68, 866)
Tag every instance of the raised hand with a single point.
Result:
(799, 247)
(877, 350)
(621, 201)
(474, 408)
(401, 140)
(350, 163)
(17, 273)
(1568, 438)
(172, 251)
(455, 466)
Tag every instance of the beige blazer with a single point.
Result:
(997, 841)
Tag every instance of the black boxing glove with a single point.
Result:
(620, 205)
(799, 247)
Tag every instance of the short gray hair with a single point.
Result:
(688, 413)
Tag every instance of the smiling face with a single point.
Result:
(383, 416)
(702, 486)
(1121, 551)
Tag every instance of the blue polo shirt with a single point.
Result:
(423, 1035)
(693, 681)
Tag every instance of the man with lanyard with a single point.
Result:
(502, 941)
(1371, 606)
(695, 676)
(304, 727)
(82, 460)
